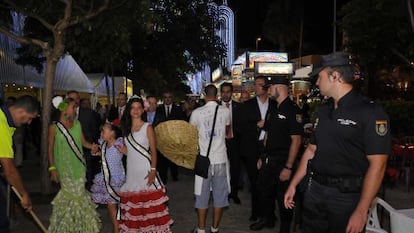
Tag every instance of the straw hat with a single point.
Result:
(178, 141)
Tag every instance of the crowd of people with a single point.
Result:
(112, 159)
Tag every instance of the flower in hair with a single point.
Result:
(56, 101)
(63, 106)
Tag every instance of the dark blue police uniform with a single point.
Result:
(281, 122)
(344, 137)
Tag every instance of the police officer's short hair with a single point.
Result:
(29, 103)
(346, 72)
(211, 91)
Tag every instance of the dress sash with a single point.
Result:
(144, 152)
(71, 142)
(107, 174)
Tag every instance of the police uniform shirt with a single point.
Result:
(282, 122)
(347, 135)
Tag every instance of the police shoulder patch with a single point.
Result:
(381, 127)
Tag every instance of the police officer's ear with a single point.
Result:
(334, 75)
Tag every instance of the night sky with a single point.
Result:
(318, 29)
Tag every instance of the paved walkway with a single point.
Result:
(235, 218)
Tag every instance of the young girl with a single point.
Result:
(73, 209)
(107, 183)
(143, 195)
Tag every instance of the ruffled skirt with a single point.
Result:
(145, 212)
(73, 210)
(99, 193)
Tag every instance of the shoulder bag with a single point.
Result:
(202, 163)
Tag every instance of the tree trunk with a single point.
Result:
(52, 58)
(46, 187)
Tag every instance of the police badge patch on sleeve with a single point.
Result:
(381, 127)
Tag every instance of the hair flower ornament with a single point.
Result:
(59, 103)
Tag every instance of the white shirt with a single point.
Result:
(168, 109)
(224, 104)
(121, 111)
(202, 118)
(263, 109)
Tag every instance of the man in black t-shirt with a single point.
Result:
(283, 126)
(347, 154)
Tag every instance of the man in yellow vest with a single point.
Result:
(20, 112)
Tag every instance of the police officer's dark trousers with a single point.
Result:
(270, 187)
(327, 209)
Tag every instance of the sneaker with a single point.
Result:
(195, 230)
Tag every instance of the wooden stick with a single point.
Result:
(37, 220)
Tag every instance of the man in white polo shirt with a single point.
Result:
(218, 177)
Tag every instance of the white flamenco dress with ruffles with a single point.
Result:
(143, 207)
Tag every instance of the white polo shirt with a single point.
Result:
(202, 118)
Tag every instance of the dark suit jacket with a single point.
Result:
(113, 113)
(176, 113)
(90, 122)
(250, 115)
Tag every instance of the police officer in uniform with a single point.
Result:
(284, 130)
(346, 157)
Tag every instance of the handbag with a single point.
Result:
(202, 163)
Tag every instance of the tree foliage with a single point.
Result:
(182, 40)
(282, 23)
(379, 36)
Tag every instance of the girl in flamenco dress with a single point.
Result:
(73, 209)
(143, 196)
(107, 183)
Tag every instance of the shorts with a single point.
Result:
(217, 183)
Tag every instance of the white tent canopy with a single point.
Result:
(68, 76)
(100, 87)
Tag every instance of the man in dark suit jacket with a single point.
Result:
(232, 139)
(165, 112)
(90, 124)
(252, 119)
(118, 111)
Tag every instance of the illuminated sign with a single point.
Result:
(237, 70)
(273, 68)
(266, 57)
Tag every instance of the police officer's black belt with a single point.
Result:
(346, 184)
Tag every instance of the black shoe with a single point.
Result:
(253, 218)
(257, 226)
(235, 198)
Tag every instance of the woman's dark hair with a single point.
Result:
(126, 121)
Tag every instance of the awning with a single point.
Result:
(68, 76)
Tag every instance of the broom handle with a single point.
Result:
(37, 220)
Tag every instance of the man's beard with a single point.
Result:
(275, 96)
